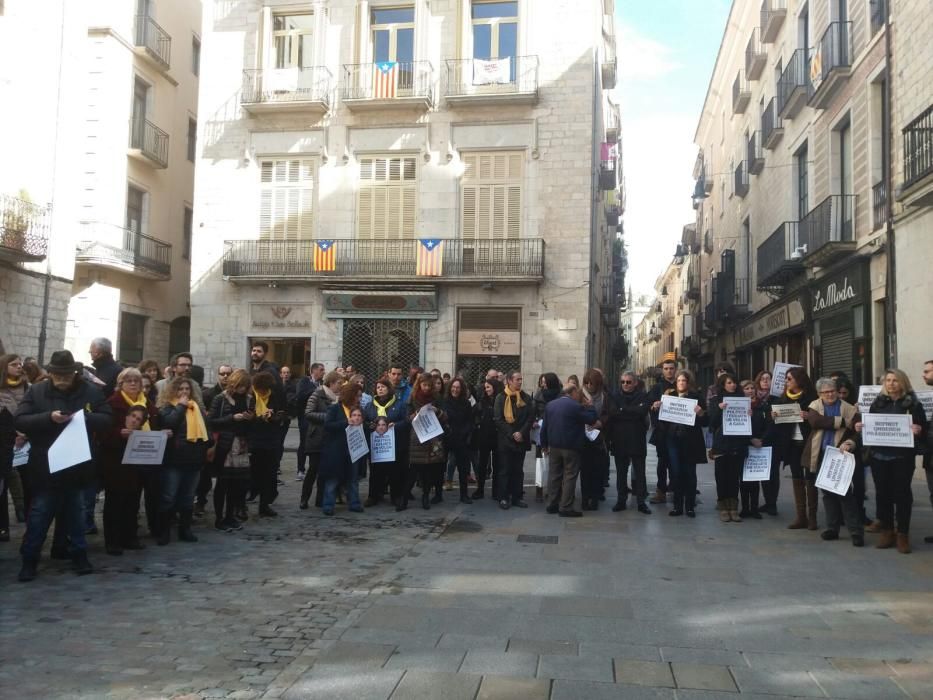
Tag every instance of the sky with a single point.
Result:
(666, 53)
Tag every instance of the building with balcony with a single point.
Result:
(791, 266)
(97, 177)
(409, 183)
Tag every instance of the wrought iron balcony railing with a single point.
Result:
(755, 56)
(877, 11)
(741, 94)
(156, 41)
(149, 140)
(755, 153)
(505, 260)
(830, 63)
(124, 249)
(287, 87)
(793, 85)
(829, 228)
(24, 230)
(918, 148)
(772, 126)
(773, 13)
(879, 205)
(505, 80)
(411, 82)
(779, 259)
(741, 179)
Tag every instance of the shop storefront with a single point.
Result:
(841, 322)
(775, 334)
(488, 338)
(286, 329)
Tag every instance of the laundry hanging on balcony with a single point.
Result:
(385, 80)
(495, 71)
(430, 260)
(325, 256)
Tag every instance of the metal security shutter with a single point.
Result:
(490, 319)
(837, 352)
(372, 346)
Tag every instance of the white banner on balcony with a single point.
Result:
(282, 80)
(496, 71)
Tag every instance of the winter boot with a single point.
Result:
(184, 527)
(813, 506)
(887, 539)
(723, 510)
(903, 543)
(800, 502)
(164, 528)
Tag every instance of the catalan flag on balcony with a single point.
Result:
(385, 80)
(325, 256)
(430, 257)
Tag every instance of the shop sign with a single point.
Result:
(380, 302)
(838, 291)
(489, 343)
(782, 319)
(288, 317)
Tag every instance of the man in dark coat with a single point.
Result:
(306, 386)
(665, 383)
(44, 413)
(628, 428)
(105, 367)
(513, 416)
(563, 437)
(259, 363)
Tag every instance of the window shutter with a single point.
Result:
(387, 198)
(286, 199)
(491, 199)
(468, 230)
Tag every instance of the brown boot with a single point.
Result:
(903, 543)
(722, 505)
(873, 526)
(800, 501)
(813, 505)
(659, 497)
(734, 510)
(886, 541)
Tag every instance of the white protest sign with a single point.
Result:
(676, 409)
(736, 418)
(71, 447)
(926, 398)
(787, 413)
(356, 442)
(778, 377)
(887, 430)
(757, 464)
(836, 471)
(382, 446)
(21, 455)
(145, 447)
(591, 433)
(866, 394)
(426, 425)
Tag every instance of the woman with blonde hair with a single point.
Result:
(231, 417)
(13, 386)
(892, 468)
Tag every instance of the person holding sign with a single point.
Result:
(832, 422)
(685, 445)
(730, 450)
(386, 404)
(337, 467)
(42, 416)
(892, 468)
(428, 458)
(789, 441)
(759, 391)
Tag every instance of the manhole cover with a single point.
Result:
(538, 539)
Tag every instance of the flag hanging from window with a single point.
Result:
(495, 71)
(325, 256)
(385, 80)
(430, 257)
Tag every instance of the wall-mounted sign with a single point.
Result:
(401, 303)
(489, 343)
(781, 319)
(840, 290)
(284, 317)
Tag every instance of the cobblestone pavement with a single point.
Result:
(475, 602)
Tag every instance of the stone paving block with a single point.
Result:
(424, 685)
(337, 684)
(779, 682)
(648, 673)
(590, 690)
(576, 668)
(543, 646)
(466, 642)
(356, 655)
(686, 694)
(427, 659)
(916, 689)
(837, 684)
(719, 657)
(766, 661)
(587, 606)
(500, 664)
(504, 688)
(634, 652)
(397, 638)
(862, 667)
(703, 677)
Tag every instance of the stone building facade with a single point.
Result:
(381, 183)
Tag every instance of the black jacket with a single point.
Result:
(487, 437)
(7, 442)
(180, 453)
(784, 432)
(315, 413)
(628, 424)
(689, 438)
(107, 370)
(523, 416)
(909, 404)
(654, 394)
(33, 417)
(732, 445)
(460, 423)
(220, 419)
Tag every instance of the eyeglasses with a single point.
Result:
(627, 381)
(224, 374)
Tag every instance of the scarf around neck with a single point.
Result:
(141, 401)
(262, 402)
(196, 430)
(329, 393)
(507, 413)
(380, 409)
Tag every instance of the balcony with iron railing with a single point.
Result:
(148, 143)
(741, 180)
(773, 13)
(513, 80)
(755, 56)
(117, 248)
(24, 230)
(828, 230)
(287, 90)
(772, 126)
(388, 85)
(830, 64)
(877, 13)
(732, 297)
(519, 260)
(153, 42)
(755, 153)
(779, 259)
(741, 94)
(879, 205)
(793, 85)
(608, 175)
(918, 149)
(613, 123)
(711, 310)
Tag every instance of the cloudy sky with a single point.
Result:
(667, 49)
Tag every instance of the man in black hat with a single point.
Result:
(43, 414)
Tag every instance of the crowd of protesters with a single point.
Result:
(228, 440)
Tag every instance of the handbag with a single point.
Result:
(541, 471)
(238, 456)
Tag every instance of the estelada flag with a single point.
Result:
(325, 256)
(385, 80)
(430, 257)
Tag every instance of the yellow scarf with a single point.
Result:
(381, 410)
(792, 396)
(507, 408)
(346, 411)
(262, 402)
(141, 401)
(13, 382)
(194, 421)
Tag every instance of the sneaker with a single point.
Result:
(674, 513)
(504, 505)
(691, 513)
(232, 525)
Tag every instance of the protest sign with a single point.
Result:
(926, 398)
(887, 430)
(676, 409)
(426, 425)
(356, 442)
(778, 376)
(736, 418)
(787, 413)
(591, 433)
(757, 464)
(866, 394)
(145, 447)
(382, 447)
(21, 455)
(836, 471)
(71, 447)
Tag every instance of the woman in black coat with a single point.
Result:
(730, 451)
(486, 437)
(685, 445)
(231, 417)
(460, 430)
(336, 466)
(514, 414)
(315, 413)
(790, 439)
(267, 402)
(628, 430)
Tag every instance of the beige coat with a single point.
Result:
(843, 427)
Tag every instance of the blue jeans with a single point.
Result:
(330, 494)
(683, 475)
(42, 509)
(178, 487)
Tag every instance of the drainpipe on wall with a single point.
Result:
(890, 292)
(594, 184)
